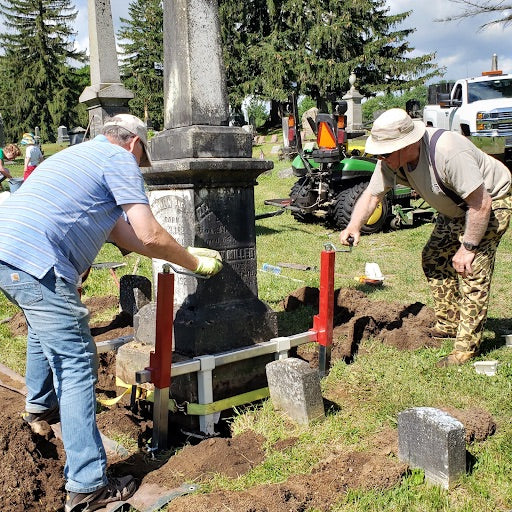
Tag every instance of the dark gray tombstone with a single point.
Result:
(134, 293)
(201, 190)
(76, 135)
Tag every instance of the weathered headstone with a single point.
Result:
(432, 440)
(354, 108)
(307, 131)
(134, 292)
(106, 96)
(62, 135)
(144, 325)
(295, 389)
(76, 135)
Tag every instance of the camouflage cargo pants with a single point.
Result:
(460, 303)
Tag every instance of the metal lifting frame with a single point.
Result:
(323, 322)
(160, 360)
(160, 370)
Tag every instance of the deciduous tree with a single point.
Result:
(475, 8)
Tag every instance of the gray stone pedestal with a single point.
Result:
(106, 96)
(210, 203)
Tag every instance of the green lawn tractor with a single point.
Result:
(330, 182)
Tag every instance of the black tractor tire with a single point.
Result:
(297, 189)
(344, 205)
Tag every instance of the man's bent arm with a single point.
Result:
(477, 220)
(362, 211)
(144, 235)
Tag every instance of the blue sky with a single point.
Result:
(460, 46)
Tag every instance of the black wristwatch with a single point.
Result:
(469, 246)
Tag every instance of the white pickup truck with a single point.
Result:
(480, 108)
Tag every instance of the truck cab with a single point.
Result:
(479, 108)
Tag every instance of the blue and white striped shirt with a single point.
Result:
(66, 209)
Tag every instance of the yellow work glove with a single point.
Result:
(210, 262)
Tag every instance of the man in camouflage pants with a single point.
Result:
(461, 307)
(472, 193)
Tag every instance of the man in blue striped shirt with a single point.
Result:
(51, 230)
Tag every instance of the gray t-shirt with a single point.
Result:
(461, 166)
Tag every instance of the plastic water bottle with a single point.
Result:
(273, 269)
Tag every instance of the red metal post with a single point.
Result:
(160, 360)
(323, 322)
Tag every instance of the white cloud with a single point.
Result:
(460, 46)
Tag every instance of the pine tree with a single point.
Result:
(312, 46)
(142, 44)
(37, 83)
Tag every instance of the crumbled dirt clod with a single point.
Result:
(478, 423)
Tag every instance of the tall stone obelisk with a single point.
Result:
(106, 96)
(201, 189)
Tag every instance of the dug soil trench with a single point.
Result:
(31, 475)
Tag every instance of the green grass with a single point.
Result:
(382, 381)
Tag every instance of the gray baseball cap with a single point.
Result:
(134, 125)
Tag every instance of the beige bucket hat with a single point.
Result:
(393, 130)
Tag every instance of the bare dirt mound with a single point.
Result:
(404, 326)
(31, 473)
(373, 469)
(229, 457)
(478, 423)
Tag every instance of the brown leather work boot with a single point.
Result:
(117, 489)
(456, 357)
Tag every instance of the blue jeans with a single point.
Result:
(61, 368)
(15, 184)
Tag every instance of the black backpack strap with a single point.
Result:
(448, 192)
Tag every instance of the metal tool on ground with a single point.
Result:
(297, 266)
(150, 498)
(265, 215)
